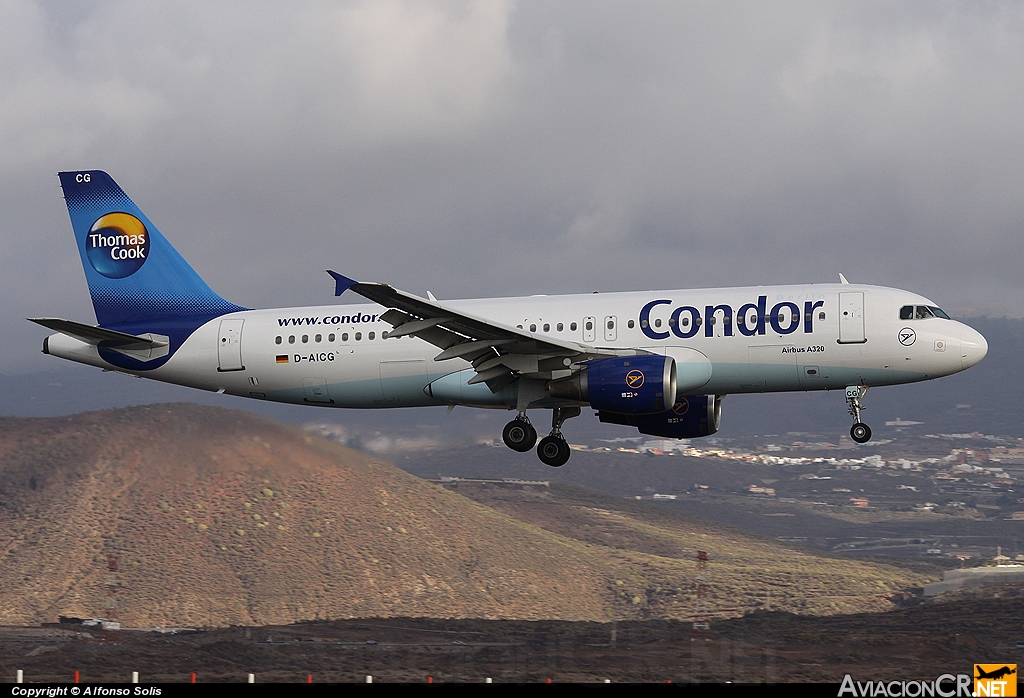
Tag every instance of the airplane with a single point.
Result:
(658, 361)
(995, 673)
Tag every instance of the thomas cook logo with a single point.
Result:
(995, 680)
(634, 379)
(117, 245)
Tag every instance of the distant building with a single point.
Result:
(504, 483)
(902, 423)
(1005, 572)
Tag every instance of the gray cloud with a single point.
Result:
(514, 148)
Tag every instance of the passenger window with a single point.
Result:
(923, 313)
(796, 318)
(547, 327)
(559, 327)
(370, 336)
(305, 339)
(590, 325)
(344, 336)
(611, 324)
(821, 316)
(317, 338)
(630, 324)
(907, 312)
(672, 322)
(330, 337)
(686, 322)
(291, 339)
(519, 326)
(572, 327)
(711, 320)
(359, 335)
(533, 328)
(277, 339)
(384, 335)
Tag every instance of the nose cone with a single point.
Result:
(973, 347)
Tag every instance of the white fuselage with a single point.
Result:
(337, 355)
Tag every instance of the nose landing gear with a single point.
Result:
(553, 450)
(859, 432)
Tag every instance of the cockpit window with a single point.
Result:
(921, 312)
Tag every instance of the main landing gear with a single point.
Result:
(859, 432)
(553, 450)
(519, 434)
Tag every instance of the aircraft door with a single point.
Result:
(589, 329)
(229, 345)
(610, 329)
(851, 318)
(315, 390)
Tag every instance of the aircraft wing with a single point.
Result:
(102, 337)
(498, 352)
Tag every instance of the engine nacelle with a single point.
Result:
(689, 418)
(631, 385)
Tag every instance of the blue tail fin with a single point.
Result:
(134, 274)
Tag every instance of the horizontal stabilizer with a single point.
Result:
(100, 336)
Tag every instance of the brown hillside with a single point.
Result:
(221, 517)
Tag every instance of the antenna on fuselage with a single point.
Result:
(842, 279)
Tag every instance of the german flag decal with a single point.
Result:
(282, 358)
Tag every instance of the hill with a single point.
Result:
(744, 572)
(220, 517)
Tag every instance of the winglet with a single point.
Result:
(342, 283)
(842, 280)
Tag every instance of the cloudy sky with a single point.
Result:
(506, 148)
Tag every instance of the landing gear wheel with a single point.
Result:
(519, 435)
(860, 432)
(553, 451)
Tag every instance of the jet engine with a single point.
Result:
(632, 385)
(689, 418)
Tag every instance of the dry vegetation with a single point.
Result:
(657, 545)
(221, 517)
